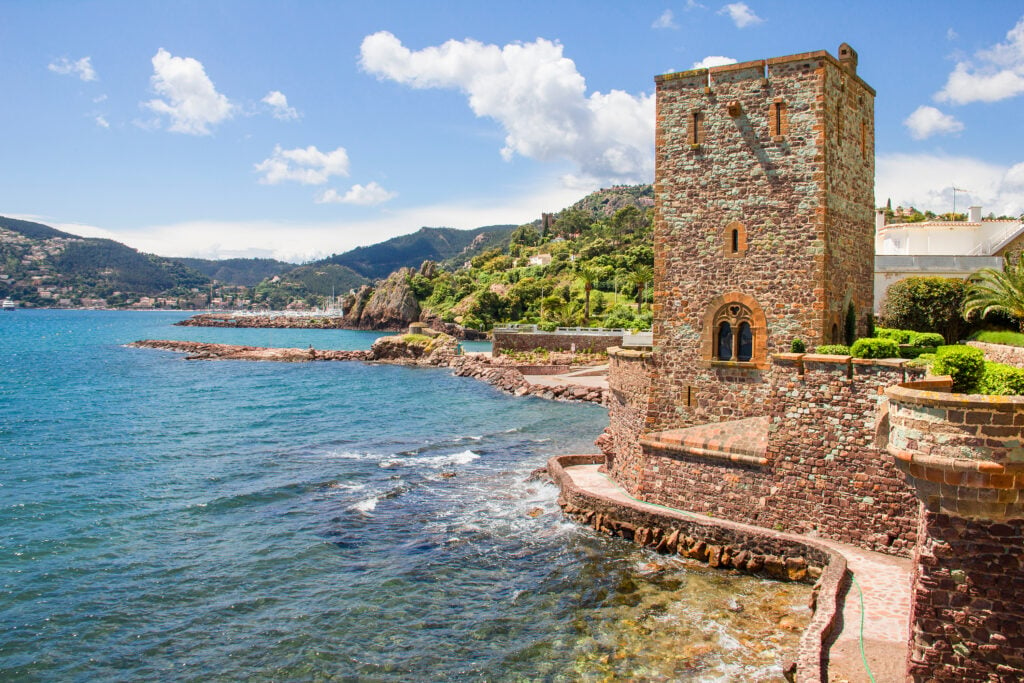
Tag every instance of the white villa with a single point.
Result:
(941, 248)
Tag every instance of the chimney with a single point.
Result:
(879, 219)
(974, 214)
(848, 58)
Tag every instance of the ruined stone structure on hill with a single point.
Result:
(764, 234)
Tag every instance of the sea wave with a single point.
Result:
(462, 458)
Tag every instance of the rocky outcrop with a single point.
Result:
(273, 321)
(390, 305)
(504, 374)
(415, 349)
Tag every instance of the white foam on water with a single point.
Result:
(462, 458)
(366, 506)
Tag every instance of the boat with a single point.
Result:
(8, 305)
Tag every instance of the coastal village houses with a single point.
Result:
(726, 447)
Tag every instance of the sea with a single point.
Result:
(165, 519)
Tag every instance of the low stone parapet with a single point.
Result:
(1001, 353)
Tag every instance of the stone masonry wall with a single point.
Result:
(803, 198)
(1001, 353)
(825, 472)
(826, 442)
(964, 455)
(629, 381)
(528, 341)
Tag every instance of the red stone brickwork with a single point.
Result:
(528, 341)
(805, 200)
(629, 381)
(964, 454)
(823, 471)
(1001, 353)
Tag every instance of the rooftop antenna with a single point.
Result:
(955, 190)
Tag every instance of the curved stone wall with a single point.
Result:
(964, 456)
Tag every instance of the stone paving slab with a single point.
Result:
(884, 580)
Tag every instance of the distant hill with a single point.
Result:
(40, 265)
(426, 244)
(237, 271)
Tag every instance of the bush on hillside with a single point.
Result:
(965, 364)
(875, 348)
(926, 304)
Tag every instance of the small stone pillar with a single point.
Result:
(964, 456)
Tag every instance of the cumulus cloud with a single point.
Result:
(308, 166)
(279, 108)
(189, 97)
(926, 181)
(81, 68)
(370, 194)
(102, 122)
(928, 121)
(741, 14)
(712, 60)
(666, 20)
(537, 96)
(994, 74)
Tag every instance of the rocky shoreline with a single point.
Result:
(503, 373)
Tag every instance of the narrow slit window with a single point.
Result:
(696, 128)
(777, 118)
(735, 240)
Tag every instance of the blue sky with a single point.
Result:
(299, 129)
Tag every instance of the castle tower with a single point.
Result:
(764, 188)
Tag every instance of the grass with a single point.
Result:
(999, 337)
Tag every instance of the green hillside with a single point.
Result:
(237, 271)
(410, 251)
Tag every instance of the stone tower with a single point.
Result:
(764, 188)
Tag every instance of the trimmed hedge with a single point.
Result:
(965, 364)
(1002, 380)
(925, 339)
(797, 346)
(833, 349)
(898, 336)
(875, 348)
(1000, 337)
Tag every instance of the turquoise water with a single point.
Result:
(165, 519)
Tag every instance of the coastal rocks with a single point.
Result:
(503, 374)
(204, 351)
(415, 349)
(390, 305)
(273, 321)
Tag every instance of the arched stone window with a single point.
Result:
(734, 238)
(735, 331)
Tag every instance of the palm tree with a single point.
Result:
(991, 290)
(639, 278)
(589, 276)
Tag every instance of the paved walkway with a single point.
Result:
(884, 580)
(584, 377)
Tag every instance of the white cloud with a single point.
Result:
(951, 34)
(712, 60)
(189, 97)
(538, 97)
(102, 122)
(927, 121)
(308, 166)
(926, 181)
(81, 68)
(296, 241)
(666, 20)
(370, 194)
(996, 73)
(741, 14)
(279, 108)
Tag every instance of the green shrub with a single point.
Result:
(922, 339)
(547, 326)
(797, 346)
(1000, 337)
(926, 304)
(925, 360)
(850, 327)
(965, 364)
(898, 336)
(875, 348)
(1002, 380)
(833, 349)
(909, 351)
